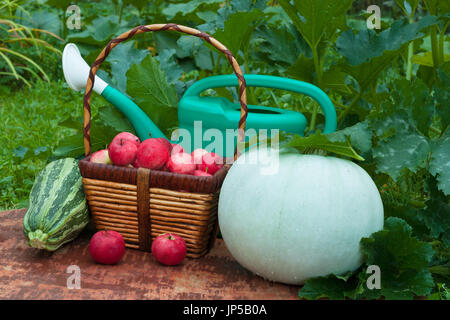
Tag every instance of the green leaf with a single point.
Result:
(334, 78)
(98, 33)
(112, 117)
(405, 151)
(360, 136)
(172, 69)
(436, 216)
(317, 20)
(72, 123)
(322, 142)
(73, 146)
(238, 29)
(302, 69)
(186, 8)
(281, 45)
(196, 48)
(331, 287)
(41, 153)
(61, 4)
(403, 261)
(367, 53)
(149, 87)
(440, 162)
(70, 147)
(20, 152)
(43, 19)
(442, 94)
(412, 216)
(436, 7)
(426, 59)
(121, 59)
(415, 99)
(367, 44)
(408, 6)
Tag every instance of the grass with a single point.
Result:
(29, 132)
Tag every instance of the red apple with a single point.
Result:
(152, 154)
(128, 137)
(200, 173)
(107, 247)
(101, 156)
(211, 163)
(169, 249)
(181, 163)
(176, 148)
(166, 143)
(122, 152)
(198, 154)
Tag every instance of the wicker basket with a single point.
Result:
(140, 203)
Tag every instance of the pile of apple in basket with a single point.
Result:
(126, 149)
(157, 154)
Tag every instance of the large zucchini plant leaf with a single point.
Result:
(440, 162)
(317, 20)
(367, 53)
(121, 59)
(148, 86)
(238, 29)
(403, 261)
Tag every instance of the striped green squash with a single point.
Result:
(58, 209)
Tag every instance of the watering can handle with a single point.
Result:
(162, 27)
(265, 81)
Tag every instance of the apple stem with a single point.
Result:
(170, 237)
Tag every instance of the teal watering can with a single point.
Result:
(211, 112)
(221, 114)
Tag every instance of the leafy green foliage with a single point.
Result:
(234, 36)
(439, 164)
(317, 20)
(367, 54)
(436, 216)
(359, 135)
(403, 261)
(148, 86)
(367, 44)
(406, 151)
(186, 8)
(121, 59)
(29, 133)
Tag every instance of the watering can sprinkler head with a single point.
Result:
(76, 70)
(76, 73)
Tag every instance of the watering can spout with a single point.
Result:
(76, 73)
(76, 70)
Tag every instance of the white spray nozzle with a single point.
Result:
(76, 70)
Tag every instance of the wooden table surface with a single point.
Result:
(28, 273)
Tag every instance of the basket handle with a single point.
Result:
(161, 27)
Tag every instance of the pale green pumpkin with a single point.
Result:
(302, 220)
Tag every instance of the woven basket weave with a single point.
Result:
(141, 204)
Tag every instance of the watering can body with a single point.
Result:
(205, 120)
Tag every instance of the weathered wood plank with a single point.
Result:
(27, 273)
